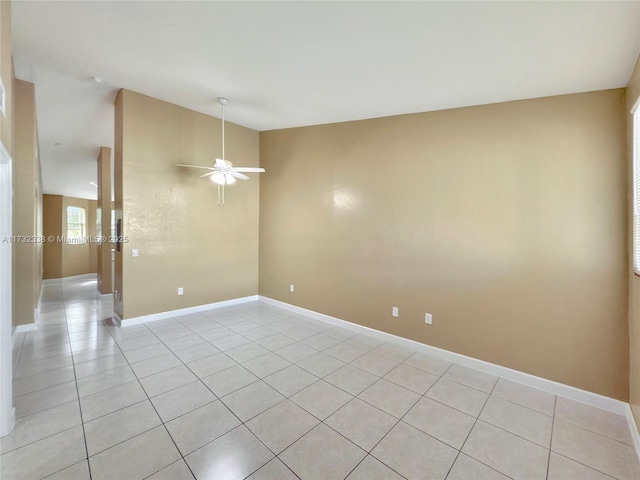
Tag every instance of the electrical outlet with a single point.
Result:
(291, 288)
(428, 318)
(181, 291)
(394, 311)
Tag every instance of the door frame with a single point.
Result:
(7, 411)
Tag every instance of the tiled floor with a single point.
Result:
(258, 392)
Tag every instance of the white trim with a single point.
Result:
(633, 427)
(27, 327)
(49, 281)
(183, 311)
(590, 398)
(14, 338)
(5, 157)
(105, 296)
(7, 412)
(78, 277)
(36, 314)
(3, 99)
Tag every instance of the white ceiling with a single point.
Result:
(288, 64)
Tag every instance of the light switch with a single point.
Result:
(135, 252)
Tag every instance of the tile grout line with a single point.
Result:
(47, 387)
(44, 438)
(421, 396)
(587, 466)
(469, 434)
(300, 342)
(400, 420)
(287, 398)
(157, 413)
(553, 422)
(15, 369)
(84, 435)
(242, 423)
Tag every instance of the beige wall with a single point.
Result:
(6, 73)
(52, 251)
(79, 259)
(104, 265)
(27, 206)
(633, 94)
(507, 222)
(184, 238)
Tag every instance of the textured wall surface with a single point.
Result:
(507, 222)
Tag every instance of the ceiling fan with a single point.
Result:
(223, 172)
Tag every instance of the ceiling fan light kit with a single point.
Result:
(223, 172)
(222, 179)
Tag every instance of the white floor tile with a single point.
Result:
(201, 426)
(415, 454)
(145, 409)
(136, 458)
(507, 453)
(336, 459)
(234, 456)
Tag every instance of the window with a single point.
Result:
(75, 225)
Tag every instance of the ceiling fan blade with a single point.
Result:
(233, 173)
(207, 174)
(194, 166)
(249, 169)
(222, 163)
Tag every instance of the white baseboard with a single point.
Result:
(27, 327)
(8, 424)
(183, 311)
(14, 339)
(590, 398)
(71, 278)
(635, 432)
(50, 281)
(80, 277)
(105, 296)
(556, 388)
(18, 333)
(36, 313)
